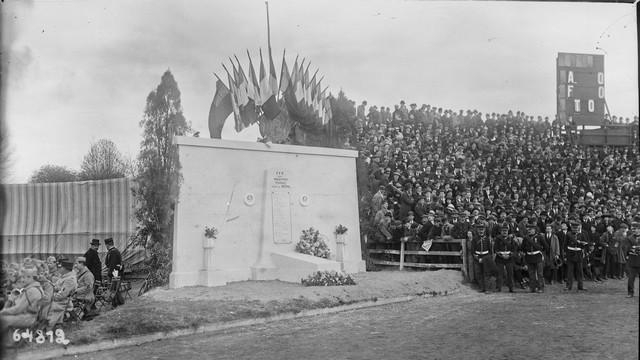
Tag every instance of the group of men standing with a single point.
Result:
(566, 254)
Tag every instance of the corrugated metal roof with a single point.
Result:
(62, 218)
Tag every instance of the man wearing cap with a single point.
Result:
(505, 249)
(93, 262)
(64, 288)
(534, 248)
(24, 311)
(86, 281)
(481, 250)
(574, 250)
(632, 249)
(113, 261)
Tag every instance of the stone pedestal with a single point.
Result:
(341, 241)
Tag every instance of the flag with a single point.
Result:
(299, 83)
(220, 109)
(270, 108)
(265, 88)
(234, 97)
(253, 90)
(247, 106)
(285, 77)
(273, 80)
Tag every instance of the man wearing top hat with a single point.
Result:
(93, 262)
(632, 249)
(64, 288)
(113, 261)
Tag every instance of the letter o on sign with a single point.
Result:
(305, 200)
(600, 78)
(601, 92)
(591, 105)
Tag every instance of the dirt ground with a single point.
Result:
(598, 324)
(381, 284)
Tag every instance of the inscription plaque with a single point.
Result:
(280, 206)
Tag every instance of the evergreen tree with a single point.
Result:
(159, 176)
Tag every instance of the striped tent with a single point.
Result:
(60, 219)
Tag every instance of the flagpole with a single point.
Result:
(266, 3)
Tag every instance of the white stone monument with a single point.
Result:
(260, 197)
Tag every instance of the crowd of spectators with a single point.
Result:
(41, 292)
(439, 170)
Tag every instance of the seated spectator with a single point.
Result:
(64, 288)
(86, 281)
(22, 311)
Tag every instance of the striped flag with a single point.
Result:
(273, 80)
(265, 87)
(285, 77)
(220, 109)
(253, 89)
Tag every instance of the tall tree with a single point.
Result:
(103, 161)
(159, 175)
(52, 174)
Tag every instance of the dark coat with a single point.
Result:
(94, 264)
(113, 261)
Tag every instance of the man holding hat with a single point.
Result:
(93, 262)
(632, 249)
(113, 261)
(64, 288)
(24, 311)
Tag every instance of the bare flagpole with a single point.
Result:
(266, 3)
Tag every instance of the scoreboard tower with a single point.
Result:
(580, 90)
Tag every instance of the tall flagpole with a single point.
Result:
(266, 3)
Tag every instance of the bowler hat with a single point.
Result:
(108, 241)
(95, 242)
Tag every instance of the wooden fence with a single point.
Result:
(443, 254)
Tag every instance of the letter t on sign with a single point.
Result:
(576, 104)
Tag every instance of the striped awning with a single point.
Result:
(62, 218)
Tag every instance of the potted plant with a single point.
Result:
(210, 234)
(341, 232)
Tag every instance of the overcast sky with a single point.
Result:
(80, 71)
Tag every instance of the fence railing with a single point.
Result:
(443, 254)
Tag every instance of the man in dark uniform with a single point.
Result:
(632, 249)
(481, 250)
(93, 262)
(113, 261)
(505, 250)
(534, 248)
(574, 253)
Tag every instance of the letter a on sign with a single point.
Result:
(570, 78)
